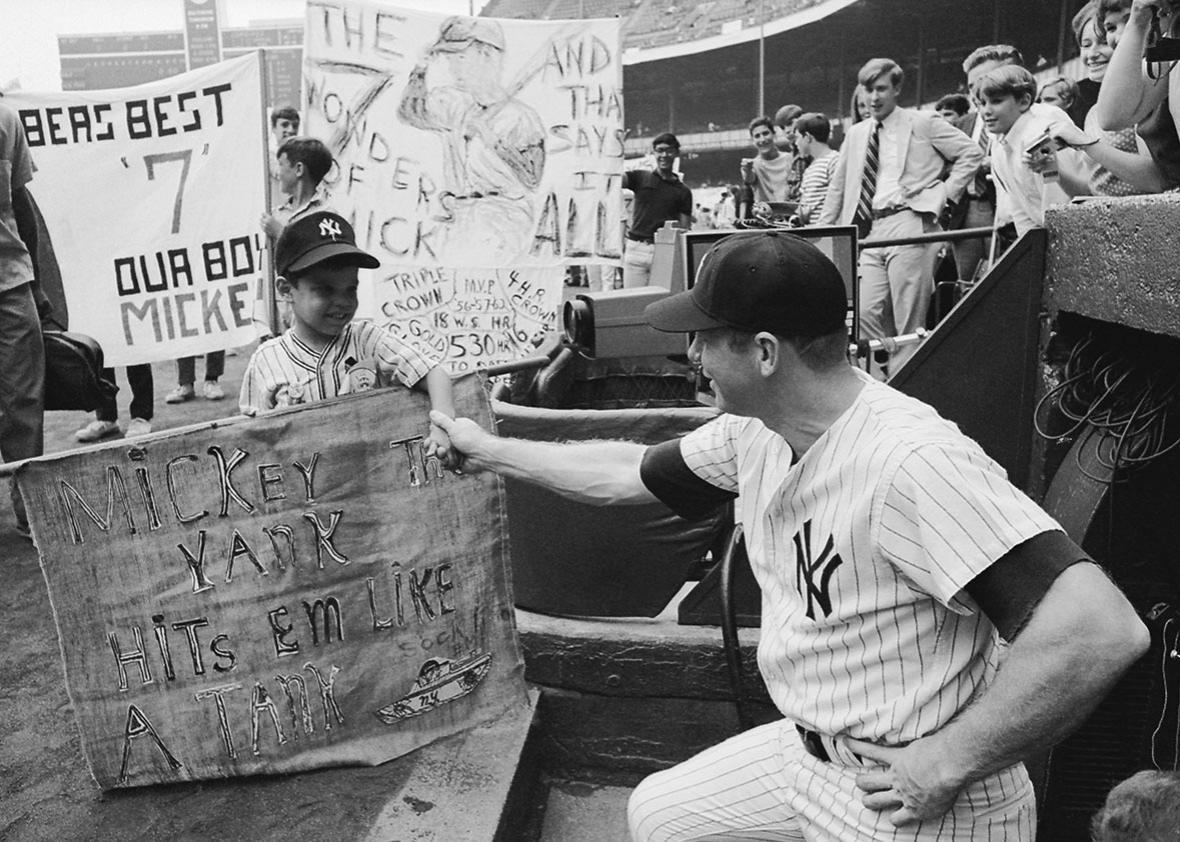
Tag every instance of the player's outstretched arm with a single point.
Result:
(595, 472)
(1082, 636)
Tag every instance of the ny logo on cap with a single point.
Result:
(330, 228)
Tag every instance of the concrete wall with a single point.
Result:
(1115, 260)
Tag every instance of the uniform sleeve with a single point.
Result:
(667, 476)
(947, 515)
(686, 202)
(254, 396)
(412, 364)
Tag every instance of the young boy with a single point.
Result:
(302, 163)
(767, 173)
(811, 141)
(325, 353)
(1005, 96)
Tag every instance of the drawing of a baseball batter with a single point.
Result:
(493, 144)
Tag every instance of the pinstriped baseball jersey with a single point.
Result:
(285, 371)
(862, 549)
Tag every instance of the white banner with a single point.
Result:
(476, 157)
(152, 196)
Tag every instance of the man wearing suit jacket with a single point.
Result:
(891, 181)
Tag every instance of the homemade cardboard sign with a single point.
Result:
(151, 196)
(299, 590)
(475, 157)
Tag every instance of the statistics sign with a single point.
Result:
(151, 196)
(476, 157)
(300, 590)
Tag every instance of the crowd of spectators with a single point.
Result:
(1110, 133)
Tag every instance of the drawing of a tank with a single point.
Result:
(440, 680)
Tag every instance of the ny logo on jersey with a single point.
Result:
(330, 228)
(813, 576)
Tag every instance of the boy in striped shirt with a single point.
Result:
(811, 139)
(326, 352)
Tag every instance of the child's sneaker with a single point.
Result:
(212, 391)
(180, 394)
(96, 430)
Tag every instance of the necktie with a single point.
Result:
(978, 186)
(863, 220)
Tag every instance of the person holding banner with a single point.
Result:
(302, 164)
(106, 422)
(22, 350)
(325, 353)
(284, 123)
(186, 376)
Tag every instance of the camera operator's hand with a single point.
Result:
(1142, 10)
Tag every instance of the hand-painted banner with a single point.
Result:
(469, 149)
(300, 590)
(151, 196)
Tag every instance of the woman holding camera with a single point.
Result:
(1116, 163)
(1147, 98)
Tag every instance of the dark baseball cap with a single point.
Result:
(765, 280)
(315, 238)
(457, 33)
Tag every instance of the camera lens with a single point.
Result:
(578, 323)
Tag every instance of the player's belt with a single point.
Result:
(814, 744)
(817, 745)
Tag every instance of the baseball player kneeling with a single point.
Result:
(893, 556)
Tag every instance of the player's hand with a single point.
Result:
(463, 434)
(910, 787)
(438, 445)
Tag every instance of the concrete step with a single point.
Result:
(583, 812)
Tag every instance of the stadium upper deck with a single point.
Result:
(694, 68)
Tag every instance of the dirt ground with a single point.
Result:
(46, 791)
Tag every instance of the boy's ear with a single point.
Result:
(1025, 102)
(283, 286)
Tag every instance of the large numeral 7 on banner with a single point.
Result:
(184, 156)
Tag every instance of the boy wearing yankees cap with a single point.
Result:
(326, 352)
(893, 556)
